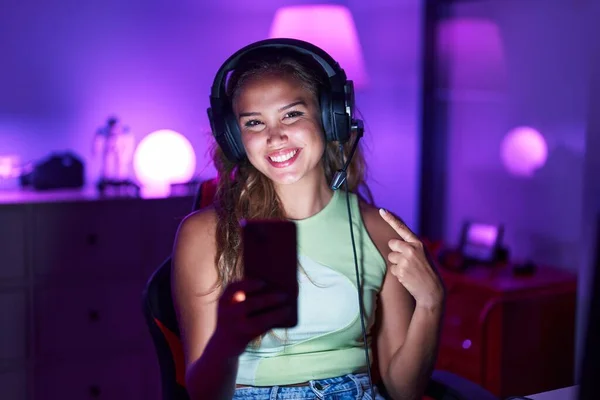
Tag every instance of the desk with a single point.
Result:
(568, 393)
(510, 334)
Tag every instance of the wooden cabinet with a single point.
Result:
(79, 239)
(14, 320)
(513, 335)
(72, 271)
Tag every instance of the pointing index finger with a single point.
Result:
(398, 226)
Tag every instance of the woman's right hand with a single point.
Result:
(248, 309)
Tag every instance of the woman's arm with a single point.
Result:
(407, 341)
(210, 370)
(410, 309)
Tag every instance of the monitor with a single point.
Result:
(480, 241)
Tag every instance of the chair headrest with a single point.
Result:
(207, 192)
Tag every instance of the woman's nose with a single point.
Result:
(276, 135)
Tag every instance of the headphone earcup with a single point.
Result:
(340, 118)
(226, 131)
(326, 114)
(234, 138)
(334, 113)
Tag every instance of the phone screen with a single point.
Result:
(270, 254)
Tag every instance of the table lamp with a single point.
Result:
(328, 26)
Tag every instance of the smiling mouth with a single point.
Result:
(283, 157)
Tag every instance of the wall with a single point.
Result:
(68, 65)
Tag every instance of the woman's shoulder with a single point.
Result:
(194, 252)
(379, 230)
(205, 218)
(197, 231)
(370, 215)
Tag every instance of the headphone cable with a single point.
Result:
(358, 282)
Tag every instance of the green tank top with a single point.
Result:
(328, 340)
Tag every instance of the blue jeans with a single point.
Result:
(349, 387)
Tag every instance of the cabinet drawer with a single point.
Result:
(464, 315)
(461, 344)
(12, 242)
(13, 384)
(87, 239)
(14, 333)
(84, 319)
(90, 378)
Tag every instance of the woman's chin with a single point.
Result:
(285, 179)
(289, 176)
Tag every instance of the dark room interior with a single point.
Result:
(480, 133)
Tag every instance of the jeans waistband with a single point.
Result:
(355, 384)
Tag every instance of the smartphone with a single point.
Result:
(270, 255)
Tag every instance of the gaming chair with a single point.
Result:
(162, 323)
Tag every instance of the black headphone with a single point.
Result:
(336, 97)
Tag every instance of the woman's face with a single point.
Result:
(281, 130)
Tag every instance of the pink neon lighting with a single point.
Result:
(472, 52)
(330, 27)
(523, 151)
(162, 158)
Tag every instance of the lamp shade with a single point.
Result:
(523, 151)
(471, 51)
(330, 27)
(163, 158)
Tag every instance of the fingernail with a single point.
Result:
(382, 211)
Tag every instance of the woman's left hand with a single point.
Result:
(411, 266)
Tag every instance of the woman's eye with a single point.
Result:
(293, 114)
(252, 123)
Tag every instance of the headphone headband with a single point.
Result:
(336, 100)
(330, 66)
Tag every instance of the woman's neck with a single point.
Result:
(304, 198)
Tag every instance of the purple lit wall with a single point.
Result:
(512, 64)
(68, 65)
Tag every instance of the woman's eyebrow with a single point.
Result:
(254, 113)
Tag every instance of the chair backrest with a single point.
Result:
(161, 320)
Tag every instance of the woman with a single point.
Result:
(227, 323)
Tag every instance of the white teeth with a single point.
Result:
(284, 157)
